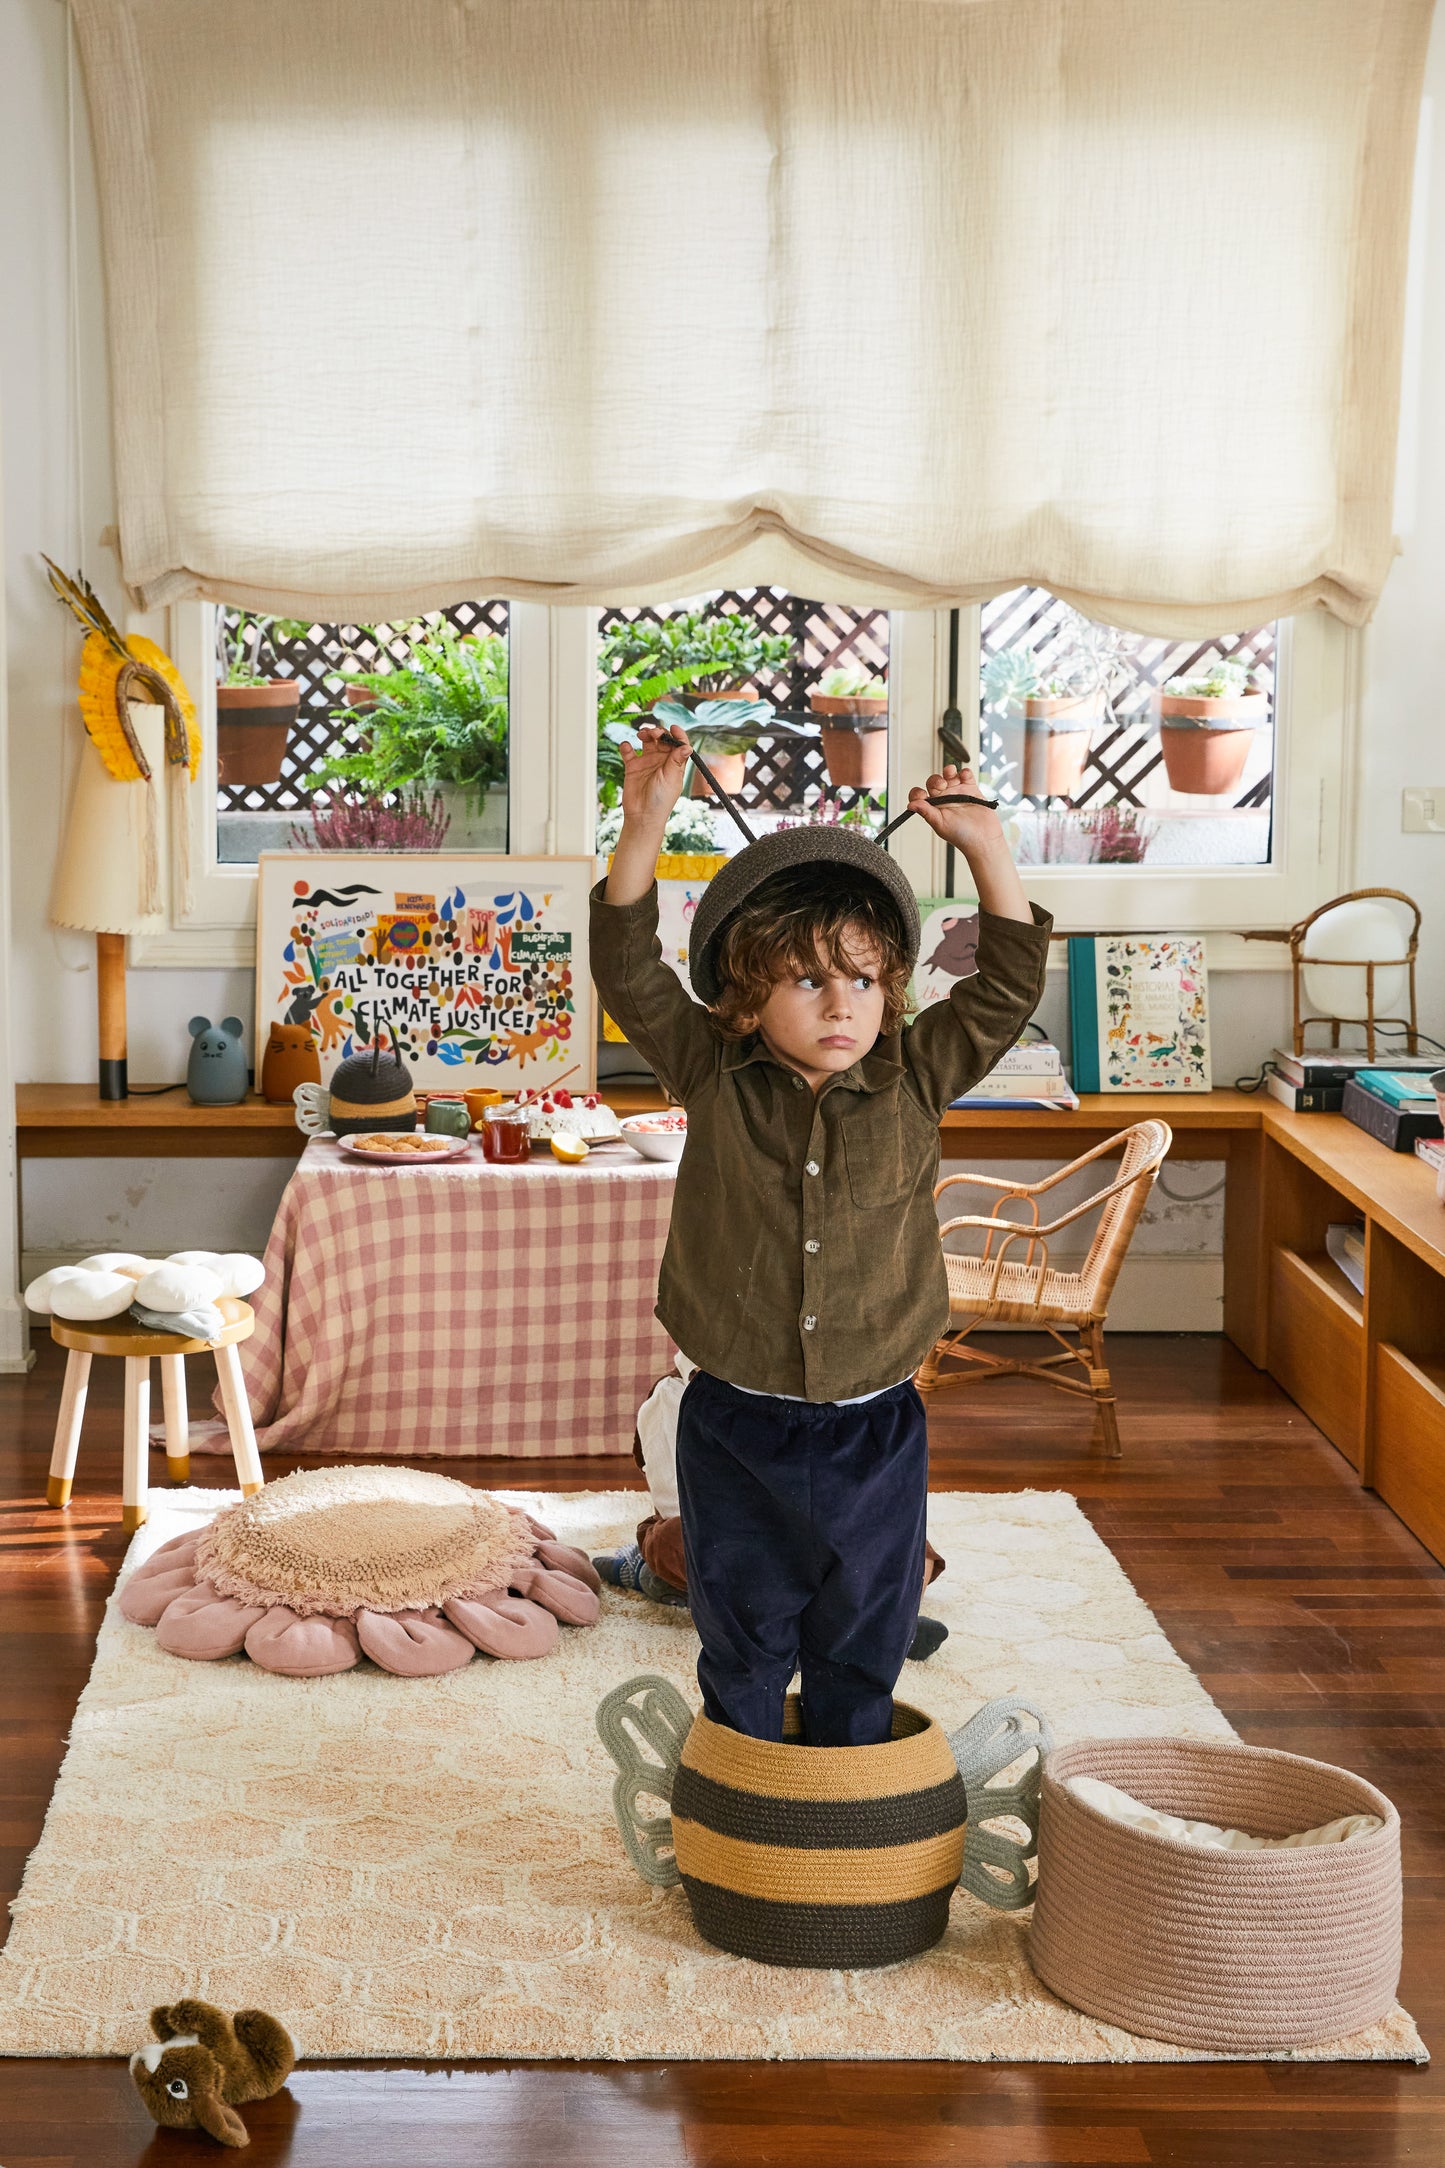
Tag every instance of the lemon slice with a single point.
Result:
(571, 1150)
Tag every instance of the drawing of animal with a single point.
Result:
(957, 950)
(304, 1003)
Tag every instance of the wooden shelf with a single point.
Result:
(1317, 1345)
(70, 1121)
(1409, 1428)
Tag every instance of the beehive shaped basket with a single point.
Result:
(824, 1856)
(372, 1091)
(1234, 1952)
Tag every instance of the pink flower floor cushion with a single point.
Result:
(414, 1570)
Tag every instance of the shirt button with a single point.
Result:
(809, 1323)
(812, 1248)
(797, 1083)
(812, 1167)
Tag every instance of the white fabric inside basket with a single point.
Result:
(1122, 1807)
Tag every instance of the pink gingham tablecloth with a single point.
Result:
(461, 1308)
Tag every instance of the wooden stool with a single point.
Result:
(137, 1343)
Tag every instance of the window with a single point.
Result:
(395, 733)
(808, 742)
(1291, 808)
(1119, 748)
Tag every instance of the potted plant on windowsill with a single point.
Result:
(719, 654)
(1207, 724)
(1060, 710)
(437, 720)
(852, 708)
(725, 732)
(255, 708)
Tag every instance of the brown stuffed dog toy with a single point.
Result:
(203, 2064)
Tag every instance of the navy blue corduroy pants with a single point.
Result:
(803, 1526)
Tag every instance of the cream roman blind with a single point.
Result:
(904, 300)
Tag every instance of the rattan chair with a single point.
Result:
(997, 1288)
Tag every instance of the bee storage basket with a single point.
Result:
(799, 1855)
(1233, 1951)
(825, 1856)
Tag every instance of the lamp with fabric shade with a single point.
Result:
(108, 878)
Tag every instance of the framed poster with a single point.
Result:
(474, 966)
(681, 878)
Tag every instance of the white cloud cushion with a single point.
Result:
(37, 1294)
(130, 1262)
(84, 1297)
(238, 1273)
(174, 1286)
(1124, 1807)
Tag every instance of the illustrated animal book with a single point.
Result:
(1139, 1012)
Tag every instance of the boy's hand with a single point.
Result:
(977, 831)
(652, 776)
(970, 828)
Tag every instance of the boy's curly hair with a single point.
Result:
(801, 917)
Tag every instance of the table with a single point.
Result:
(460, 1308)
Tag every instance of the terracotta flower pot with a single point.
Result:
(855, 740)
(253, 723)
(727, 767)
(1206, 743)
(1057, 730)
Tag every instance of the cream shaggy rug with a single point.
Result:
(429, 1866)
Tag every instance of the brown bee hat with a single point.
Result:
(787, 848)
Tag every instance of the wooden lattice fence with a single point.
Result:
(1125, 751)
(782, 771)
(319, 729)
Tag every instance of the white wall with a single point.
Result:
(52, 1023)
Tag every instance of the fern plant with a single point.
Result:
(438, 719)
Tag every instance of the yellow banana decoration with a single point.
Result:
(115, 671)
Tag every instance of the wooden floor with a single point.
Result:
(1310, 1613)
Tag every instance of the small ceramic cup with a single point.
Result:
(447, 1117)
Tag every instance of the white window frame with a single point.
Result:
(552, 787)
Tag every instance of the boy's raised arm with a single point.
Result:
(950, 1046)
(640, 992)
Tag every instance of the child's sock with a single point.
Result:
(928, 1636)
(625, 1569)
(621, 1569)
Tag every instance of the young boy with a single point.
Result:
(803, 1271)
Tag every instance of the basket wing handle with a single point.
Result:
(996, 1865)
(647, 1711)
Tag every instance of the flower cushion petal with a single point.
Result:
(567, 1559)
(302, 1648)
(560, 1593)
(202, 1624)
(540, 1530)
(146, 1597)
(502, 1625)
(412, 1644)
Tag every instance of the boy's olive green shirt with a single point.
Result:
(803, 1256)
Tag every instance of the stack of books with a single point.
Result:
(1314, 1083)
(1397, 1106)
(1030, 1074)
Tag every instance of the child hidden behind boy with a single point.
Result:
(803, 1273)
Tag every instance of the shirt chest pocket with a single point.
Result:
(886, 1151)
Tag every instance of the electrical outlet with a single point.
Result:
(1423, 812)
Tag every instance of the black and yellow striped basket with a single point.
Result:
(834, 1857)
